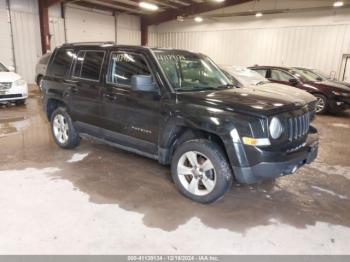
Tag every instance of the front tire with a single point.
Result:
(63, 129)
(201, 171)
(322, 106)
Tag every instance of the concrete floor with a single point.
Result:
(100, 200)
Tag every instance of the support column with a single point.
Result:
(44, 25)
(144, 32)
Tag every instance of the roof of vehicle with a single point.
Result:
(113, 44)
(277, 67)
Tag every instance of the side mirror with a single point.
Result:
(11, 68)
(293, 81)
(143, 83)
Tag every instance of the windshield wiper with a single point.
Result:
(226, 86)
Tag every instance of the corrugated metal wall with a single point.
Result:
(26, 36)
(316, 39)
(310, 46)
(128, 30)
(6, 50)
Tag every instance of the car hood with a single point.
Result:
(8, 77)
(247, 100)
(333, 85)
(284, 90)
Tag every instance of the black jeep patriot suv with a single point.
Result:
(179, 108)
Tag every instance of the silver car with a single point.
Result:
(40, 69)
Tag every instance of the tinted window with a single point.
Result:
(262, 72)
(3, 68)
(88, 65)
(279, 75)
(61, 64)
(124, 65)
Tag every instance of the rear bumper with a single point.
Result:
(287, 163)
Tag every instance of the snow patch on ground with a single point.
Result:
(77, 157)
(41, 215)
(330, 192)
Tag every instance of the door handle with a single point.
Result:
(110, 97)
(73, 89)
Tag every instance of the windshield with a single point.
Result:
(191, 72)
(322, 75)
(3, 68)
(306, 75)
(245, 76)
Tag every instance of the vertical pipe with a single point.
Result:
(12, 40)
(144, 32)
(44, 25)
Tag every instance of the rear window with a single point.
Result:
(61, 63)
(88, 65)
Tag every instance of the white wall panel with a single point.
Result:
(128, 30)
(6, 51)
(316, 40)
(57, 30)
(84, 26)
(26, 36)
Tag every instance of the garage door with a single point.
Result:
(85, 26)
(6, 51)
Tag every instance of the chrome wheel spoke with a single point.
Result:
(192, 158)
(208, 183)
(206, 166)
(193, 186)
(184, 170)
(60, 128)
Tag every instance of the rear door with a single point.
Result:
(130, 118)
(85, 85)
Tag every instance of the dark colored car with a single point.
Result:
(321, 76)
(179, 108)
(331, 97)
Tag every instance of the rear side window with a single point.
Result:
(45, 59)
(88, 65)
(61, 63)
(124, 65)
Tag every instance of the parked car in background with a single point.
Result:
(331, 97)
(40, 69)
(179, 108)
(246, 78)
(12, 86)
(321, 76)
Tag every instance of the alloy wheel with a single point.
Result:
(60, 128)
(320, 105)
(196, 173)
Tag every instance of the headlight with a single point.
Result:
(275, 128)
(19, 82)
(340, 93)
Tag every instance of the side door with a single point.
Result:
(85, 85)
(130, 118)
(283, 77)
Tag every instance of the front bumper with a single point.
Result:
(277, 164)
(339, 103)
(14, 93)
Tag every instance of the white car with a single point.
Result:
(12, 86)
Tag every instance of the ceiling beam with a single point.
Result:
(193, 9)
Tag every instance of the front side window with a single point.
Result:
(88, 65)
(279, 75)
(191, 72)
(124, 65)
(262, 72)
(61, 63)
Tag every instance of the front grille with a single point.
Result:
(298, 126)
(5, 85)
(10, 96)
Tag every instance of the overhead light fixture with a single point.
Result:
(198, 19)
(148, 6)
(259, 14)
(180, 18)
(219, 1)
(338, 4)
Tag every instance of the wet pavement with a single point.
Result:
(100, 200)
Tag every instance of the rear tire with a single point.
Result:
(63, 129)
(40, 83)
(322, 106)
(201, 171)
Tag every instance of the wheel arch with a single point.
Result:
(51, 105)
